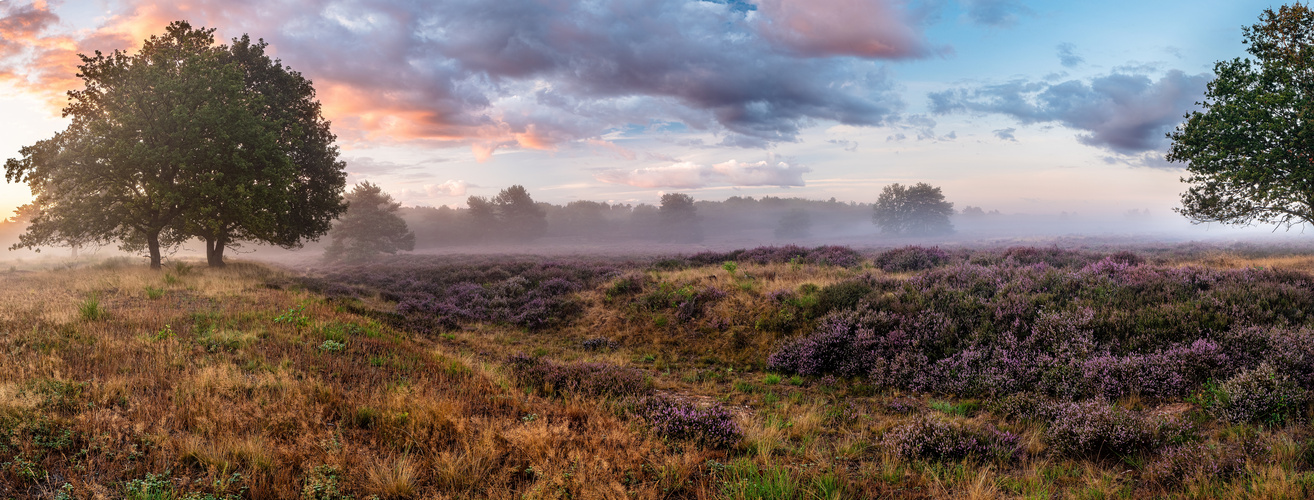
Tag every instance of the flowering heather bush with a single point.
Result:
(768, 255)
(839, 346)
(1213, 461)
(590, 379)
(824, 255)
(1096, 428)
(931, 437)
(1258, 395)
(448, 291)
(1052, 257)
(1108, 329)
(912, 258)
(834, 256)
(1025, 406)
(689, 302)
(904, 405)
(713, 426)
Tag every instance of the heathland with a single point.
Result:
(775, 372)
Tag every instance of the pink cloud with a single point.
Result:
(863, 28)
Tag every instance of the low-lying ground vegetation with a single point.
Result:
(777, 372)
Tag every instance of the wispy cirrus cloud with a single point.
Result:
(688, 175)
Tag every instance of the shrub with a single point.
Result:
(711, 426)
(931, 437)
(838, 347)
(842, 295)
(597, 344)
(590, 379)
(911, 258)
(1025, 406)
(1099, 429)
(1258, 395)
(834, 255)
(1213, 461)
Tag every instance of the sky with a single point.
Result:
(1012, 105)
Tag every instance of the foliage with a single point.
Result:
(679, 219)
(444, 293)
(1107, 329)
(796, 224)
(712, 426)
(1207, 461)
(1248, 153)
(911, 258)
(1098, 429)
(173, 142)
(370, 227)
(588, 379)
(279, 207)
(519, 217)
(1257, 395)
(918, 210)
(931, 437)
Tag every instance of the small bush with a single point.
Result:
(597, 344)
(1214, 461)
(1099, 429)
(912, 258)
(931, 437)
(834, 256)
(590, 379)
(1258, 395)
(154, 293)
(713, 426)
(1024, 406)
(842, 295)
(333, 346)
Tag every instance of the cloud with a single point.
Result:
(863, 28)
(687, 175)
(848, 145)
(994, 13)
(1068, 57)
(530, 73)
(1127, 114)
(1006, 134)
(447, 188)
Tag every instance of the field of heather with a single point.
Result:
(774, 372)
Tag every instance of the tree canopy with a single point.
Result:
(371, 226)
(1249, 153)
(679, 219)
(184, 138)
(918, 210)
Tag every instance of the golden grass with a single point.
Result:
(202, 383)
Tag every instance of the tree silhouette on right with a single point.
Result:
(1250, 152)
(917, 210)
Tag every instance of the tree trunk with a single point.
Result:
(214, 250)
(153, 243)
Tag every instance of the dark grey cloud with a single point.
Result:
(536, 73)
(1068, 56)
(1127, 114)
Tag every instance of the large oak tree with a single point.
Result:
(1250, 152)
(184, 138)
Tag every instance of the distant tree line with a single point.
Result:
(514, 217)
